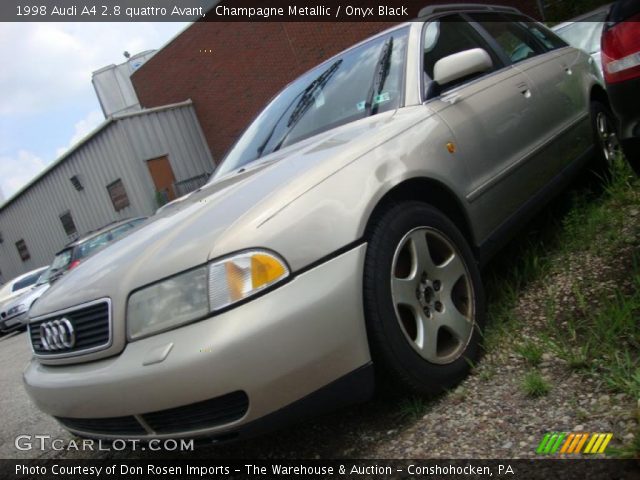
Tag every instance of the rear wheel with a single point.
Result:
(605, 135)
(423, 299)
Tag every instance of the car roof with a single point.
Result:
(438, 9)
(99, 231)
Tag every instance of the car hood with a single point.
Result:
(188, 233)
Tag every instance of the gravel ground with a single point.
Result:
(487, 416)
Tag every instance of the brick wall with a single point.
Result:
(248, 64)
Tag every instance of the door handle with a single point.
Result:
(567, 70)
(524, 90)
(452, 99)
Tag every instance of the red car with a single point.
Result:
(621, 68)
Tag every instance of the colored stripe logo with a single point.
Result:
(573, 443)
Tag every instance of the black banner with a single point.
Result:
(316, 469)
(261, 10)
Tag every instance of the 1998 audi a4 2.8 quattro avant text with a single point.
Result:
(343, 232)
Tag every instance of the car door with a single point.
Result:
(492, 118)
(561, 121)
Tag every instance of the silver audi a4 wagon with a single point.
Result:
(340, 241)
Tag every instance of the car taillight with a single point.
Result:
(73, 264)
(621, 51)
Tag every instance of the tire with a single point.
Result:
(424, 326)
(631, 148)
(605, 137)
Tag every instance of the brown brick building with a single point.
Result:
(230, 70)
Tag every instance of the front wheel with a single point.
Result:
(423, 299)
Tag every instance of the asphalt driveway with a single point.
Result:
(19, 415)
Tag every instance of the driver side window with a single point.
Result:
(446, 36)
(518, 44)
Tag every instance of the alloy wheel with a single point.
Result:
(432, 295)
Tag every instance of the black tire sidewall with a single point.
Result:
(391, 352)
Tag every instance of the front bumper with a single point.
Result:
(13, 323)
(276, 350)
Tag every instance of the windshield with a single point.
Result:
(96, 243)
(60, 262)
(364, 81)
(88, 247)
(584, 35)
(26, 281)
(44, 278)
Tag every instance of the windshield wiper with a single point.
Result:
(307, 97)
(383, 67)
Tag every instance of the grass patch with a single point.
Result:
(534, 385)
(487, 373)
(605, 341)
(412, 408)
(591, 323)
(530, 352)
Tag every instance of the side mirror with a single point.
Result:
(460, 65)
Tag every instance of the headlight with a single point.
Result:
(194, 294)
(237, 277)
(17, 310)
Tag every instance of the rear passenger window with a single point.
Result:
(548, 38)
(517, 41)
(449, 35)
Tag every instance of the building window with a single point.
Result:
(67, 224)
(118, 195)
(23, 251)
(77, 184)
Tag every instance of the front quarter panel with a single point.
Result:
(334, 213)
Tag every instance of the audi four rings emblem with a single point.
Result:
(57, 335)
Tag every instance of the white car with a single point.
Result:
(17, 287)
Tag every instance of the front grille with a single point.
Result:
(109, 426)
(207, 414)
(91, 325)
(210, 413)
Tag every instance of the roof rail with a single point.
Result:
(449, 7)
